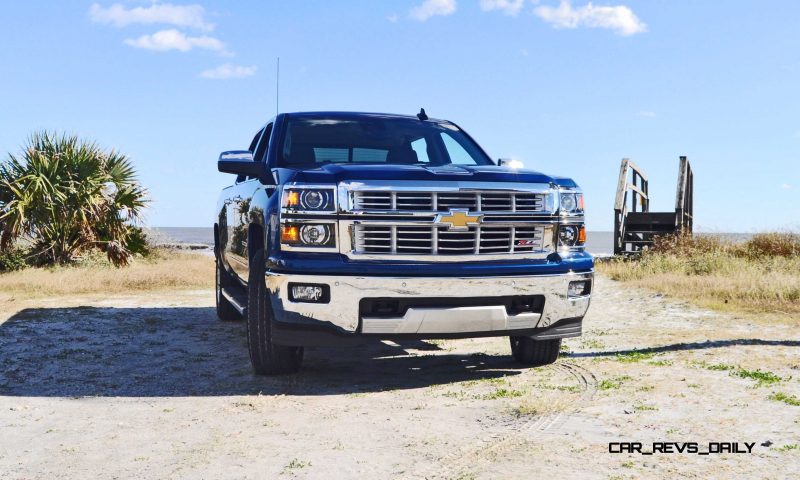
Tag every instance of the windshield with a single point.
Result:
(310, 142)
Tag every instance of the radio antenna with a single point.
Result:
(277, 85)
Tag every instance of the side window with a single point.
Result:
(261, 151)
(421, 147)
(255, 140)
(458, 155)
(252, 148)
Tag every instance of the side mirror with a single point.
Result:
(510, 162)
(240, 162)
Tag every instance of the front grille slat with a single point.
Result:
(482, 201)
(488, 238)
(399, 240)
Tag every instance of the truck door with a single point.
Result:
(242, 195)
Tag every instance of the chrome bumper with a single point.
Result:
(342, 312)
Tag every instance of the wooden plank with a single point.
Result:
(681, 190)
(637, 190)
(619, 203)
(637, 169)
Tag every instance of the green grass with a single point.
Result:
(761, 377)
(788, 448)
(640, 407)
(720, 367)
(715, 366)
(503, 393)
(660, 363)
(634, 356)
(591, 343)
(613, 383)
(296, 464)
(525, 410)
(787, 399)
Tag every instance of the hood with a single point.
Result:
(335, 173)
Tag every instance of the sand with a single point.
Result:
(154, 386)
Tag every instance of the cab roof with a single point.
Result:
(353, 115)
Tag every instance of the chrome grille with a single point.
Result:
(435, 240)
(489, 201)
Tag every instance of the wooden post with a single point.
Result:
(619, 207)
(684, 197)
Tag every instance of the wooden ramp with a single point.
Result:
(635, 225)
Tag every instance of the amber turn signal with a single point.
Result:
(582, 235)
(292, 198)
(290, 234)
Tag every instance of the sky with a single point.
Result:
(569, 88)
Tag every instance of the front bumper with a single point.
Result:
(341, 315)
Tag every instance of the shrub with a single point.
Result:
(774, 244)
(66, 197)
(13, 259)
(687, 245)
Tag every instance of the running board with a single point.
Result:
(236, 298)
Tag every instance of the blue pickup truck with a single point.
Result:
(343, 226)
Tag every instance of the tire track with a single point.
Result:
(459, 461)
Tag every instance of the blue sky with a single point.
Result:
(568, 87)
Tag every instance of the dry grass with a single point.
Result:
(761, 276)
(162, 270)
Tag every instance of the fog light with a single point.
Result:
(579, 288)
(568, 235)
(309, 293)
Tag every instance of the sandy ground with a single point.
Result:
(153, 386)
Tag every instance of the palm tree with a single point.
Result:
(64, 196)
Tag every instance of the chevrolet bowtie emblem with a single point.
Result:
(458, 219)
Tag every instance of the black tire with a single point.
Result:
(535, 352)
(225, 311)
(266, 357)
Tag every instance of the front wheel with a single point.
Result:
(266, 357)
(535, 352)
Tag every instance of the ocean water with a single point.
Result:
(196, 235)
(596, 242)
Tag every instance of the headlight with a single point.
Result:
(571, 203)
(571, 236)
(308, 199)
(315, 234)
(308, 235)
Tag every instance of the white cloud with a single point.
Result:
(226, 71)
(172, 39)
(618, 18)
(786, 186)
(187, 16)
(509, 7)
(646, 113)
(392, 18)
(430, 8)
